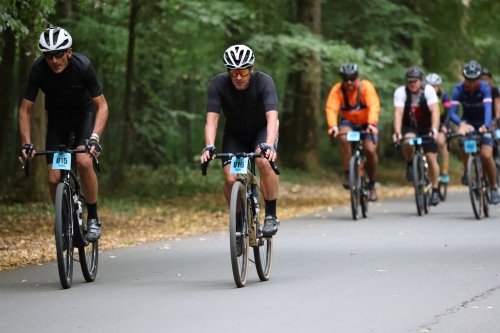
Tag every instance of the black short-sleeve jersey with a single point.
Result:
(70, 91)
(245, 110)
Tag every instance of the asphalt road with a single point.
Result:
(393, 272)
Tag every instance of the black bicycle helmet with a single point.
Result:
(486, 72)
(472, 70)
(349, 69)
(414, 73)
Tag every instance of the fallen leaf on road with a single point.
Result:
(38, 285)
(382, 270)
(39, 264)
(400, 233)
(311, 225)
(489, 307)
(112, 256)
(330, 209)
(445, 245)
(202, 239)
(386, 211)
(317, 215)
(474, 307)
(322, 234)
(353, 254)
(178, 274)
(22, 281)
(165, 248)
(425, 330)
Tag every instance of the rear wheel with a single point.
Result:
(364, 195)
(417, 183)
(486, 196)
(64, 235)
(443, 190)
(475, 188)
(89, 257)
(354, 186)
(264, 258)
(238, 235)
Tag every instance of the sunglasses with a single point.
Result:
(57, 55)
(242, 72)
(349, 78)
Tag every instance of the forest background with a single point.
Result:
(155, 59)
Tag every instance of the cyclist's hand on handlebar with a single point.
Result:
(444, 129)
(483, 129)
(24, 151)
(207, 154)
(396, 137)
(93, 147)
(372, 129)
(465, 128)
(268, 152)
(332, 133)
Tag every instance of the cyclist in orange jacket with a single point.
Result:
(360, 105)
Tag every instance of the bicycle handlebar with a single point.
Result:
(25, 166)
(204, 166)
(424, 137)
(362, 132)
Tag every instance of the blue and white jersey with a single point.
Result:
(476, 105)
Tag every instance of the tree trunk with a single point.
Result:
(300, 146)
(127, 129)
(7, 139)
(39, 191)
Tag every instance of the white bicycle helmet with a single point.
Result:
(433, 79)
(54, 39)
(238, 57)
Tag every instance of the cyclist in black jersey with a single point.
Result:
(74, 103)
(249, 102)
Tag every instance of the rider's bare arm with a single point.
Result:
(398, 118)
(272, 127)
(210, 132)
(434, 108)
(102, 114)
(24, 121)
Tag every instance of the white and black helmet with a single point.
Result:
(349, 69)
(238, 57)
(434, 79)
(54, 39)
(472, 70)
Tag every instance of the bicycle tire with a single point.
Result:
(89, 259)
(419, 195)
(354, 189)
(443, 191)
(475, 188)
(486, 196)
(63, 235)
(237, 231)
(263, 256)
(364, 194)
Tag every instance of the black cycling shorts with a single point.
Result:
(429, 147)
(59, 129)
(232, 144)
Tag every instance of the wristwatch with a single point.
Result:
(434, 130)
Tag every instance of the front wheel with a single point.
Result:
(238, 233)
(354, 186)
(475, 187)
(417, 183)
(64, 235)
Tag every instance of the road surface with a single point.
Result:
(392, 272)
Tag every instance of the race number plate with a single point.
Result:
(497, 133)
(470, 146)
(61, 161)
(415, 141)
(239, 165)
(353, 136)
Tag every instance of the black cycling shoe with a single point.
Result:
(345, 184)
(465, 180)
(409, 173)
(271, 224)
(93, 230)
(435, 198)
(495, 198)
